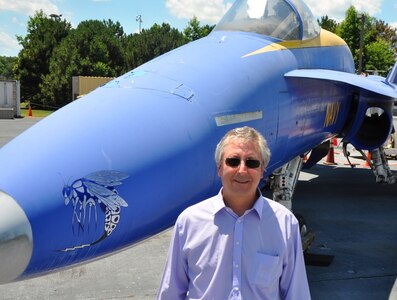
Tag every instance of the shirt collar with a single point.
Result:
(258, 206)
(219, 204)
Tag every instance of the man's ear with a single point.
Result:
(219, 170)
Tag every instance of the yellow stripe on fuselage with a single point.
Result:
(324, 39)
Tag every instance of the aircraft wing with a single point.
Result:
(375, 84)
(370, 122)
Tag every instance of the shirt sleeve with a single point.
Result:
(293, 283)
(175, 281)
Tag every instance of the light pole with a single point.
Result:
(361, 17)
(139, 20)
(55, 16)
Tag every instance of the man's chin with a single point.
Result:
(243, 188)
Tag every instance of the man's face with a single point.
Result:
(240, 180)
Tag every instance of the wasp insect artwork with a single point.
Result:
(86, 194)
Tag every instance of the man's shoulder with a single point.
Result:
(201, 209)
(277, 208)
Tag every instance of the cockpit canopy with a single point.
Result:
(280, 19)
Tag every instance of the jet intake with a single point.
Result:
(370, 130)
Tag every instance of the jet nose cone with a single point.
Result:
(16, 243)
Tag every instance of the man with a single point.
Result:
(238, 244)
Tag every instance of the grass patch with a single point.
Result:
(38, 113)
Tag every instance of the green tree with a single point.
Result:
(6, 67)
(387, 33)
(150, 43)
(43, 35)
(94, 48)
(376, 40)
(380, 57)
(328, 24)
(194, 31)
(349, 30)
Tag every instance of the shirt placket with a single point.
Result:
(237, 254)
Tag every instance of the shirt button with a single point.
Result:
(236, 266)
(237, 243)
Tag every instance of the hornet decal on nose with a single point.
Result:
(85, 194)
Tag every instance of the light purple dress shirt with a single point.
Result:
(215, 254)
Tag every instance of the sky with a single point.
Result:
(14, 14)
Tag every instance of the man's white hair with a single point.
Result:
(246, 134)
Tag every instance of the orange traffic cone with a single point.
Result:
(335, 143)
(330, 160)
(30, 114)
(366, 164)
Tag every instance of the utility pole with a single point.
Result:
(139, 20)
(361, 17)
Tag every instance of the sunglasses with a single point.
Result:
(234, 162)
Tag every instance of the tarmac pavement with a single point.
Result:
(11, 128)
(354, 220)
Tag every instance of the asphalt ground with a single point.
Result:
(354, 220)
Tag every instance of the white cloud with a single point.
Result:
(8, 45)
(210, 11)
(336, 9)
(394, 25)
(372, 7)
(29, 7)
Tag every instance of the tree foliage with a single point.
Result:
(328, 24)
(150, 43)
(94, 48)
(387, 32)
(32, 64)
(379, 40)
(379, 57)
(6, 65)
(194, 31)
(350, 29)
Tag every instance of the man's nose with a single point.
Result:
(242, 167)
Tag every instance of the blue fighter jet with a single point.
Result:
(118, 165)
